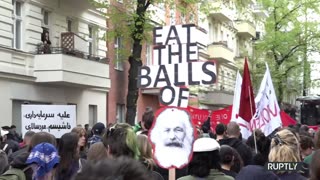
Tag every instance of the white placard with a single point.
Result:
(54, 119)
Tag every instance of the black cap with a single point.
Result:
(6, 128)
(98, 128)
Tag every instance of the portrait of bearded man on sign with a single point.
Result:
(172, 138)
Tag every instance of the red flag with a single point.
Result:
(247, 105)
(286, 119)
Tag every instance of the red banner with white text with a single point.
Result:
(199, 116)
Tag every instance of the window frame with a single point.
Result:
(17, 19)
(69, 26)
(43, 24)
(120, 113)
(118, 64)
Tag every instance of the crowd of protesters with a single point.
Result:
(124, 152)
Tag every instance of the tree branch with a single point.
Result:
(292, 50)
(286, 15)
(290, 68)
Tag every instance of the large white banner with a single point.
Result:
(267, 116)
(54, 119)
(236, 98)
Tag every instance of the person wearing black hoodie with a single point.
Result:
(233, 133)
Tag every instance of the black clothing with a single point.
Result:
(229, 173)
(243, 149)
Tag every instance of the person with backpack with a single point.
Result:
(20, 169)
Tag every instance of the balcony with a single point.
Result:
(259, 11)
(221, 95)
(246, 29)
(221, 12)
(219, 51)
(61, 66)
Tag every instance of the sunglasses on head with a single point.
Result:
(278, 140)
(110, 131)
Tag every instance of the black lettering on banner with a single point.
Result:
(159, 48)
(64, 115)
(162, 68)
(188, 26)
(176, 76)
(146, 76)
(191, 82)
(176, 36)
(209, 72)
(155, 35)
(181, 97)
(161, 97)
(189, 52)
(179, 53)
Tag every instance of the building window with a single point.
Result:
(183, 18)
(17, 18)
(121, 113)
(118, 45)
(90, 40)
(222, 36)
(149, 55)
(93, 115)
(69, 28)
(45, 20)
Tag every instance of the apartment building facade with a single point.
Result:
(232, 33)
(52, 52)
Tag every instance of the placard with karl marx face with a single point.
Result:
(172, 137)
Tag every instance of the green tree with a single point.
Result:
(290, 36)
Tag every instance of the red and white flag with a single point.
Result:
(243, 102)
(267, 117)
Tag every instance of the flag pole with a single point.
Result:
(254, 134)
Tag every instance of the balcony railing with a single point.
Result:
(224, 43)
(42, 49)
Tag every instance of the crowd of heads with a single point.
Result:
(120, 151)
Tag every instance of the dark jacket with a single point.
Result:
(12, 146)
(17, 153)
(165, 172)
(229, 173)
(243, 149)
(73, 169)
(19, 162)
(255, 172)
(291, 176)
(214, 175)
